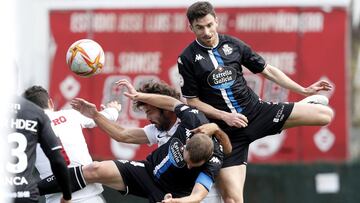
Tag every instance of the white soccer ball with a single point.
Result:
(85, 58)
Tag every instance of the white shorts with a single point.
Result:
(213, 196)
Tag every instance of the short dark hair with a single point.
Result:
(37, 95)
(199, 10)
(200, 148)
(156, 87)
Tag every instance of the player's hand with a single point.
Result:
(321, 85)
(167, 198)
(132, 93)
(112, 104)
(208, 129)
(84, 107)
(235, 119)
(64, 201)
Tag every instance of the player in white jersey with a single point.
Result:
(67, 125)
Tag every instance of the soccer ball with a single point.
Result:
(85, 58)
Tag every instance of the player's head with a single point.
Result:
(162, 119)
(203, 22)
(198, 150)
(39, 96)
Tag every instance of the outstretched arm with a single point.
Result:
(198, 193)
(212, 129)
(115, 131)
(276, 75)
(157, 100)
(232, 119)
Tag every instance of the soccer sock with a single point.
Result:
(49, 184)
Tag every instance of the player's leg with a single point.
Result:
(309, 114)
(231, 182)
(105, 172)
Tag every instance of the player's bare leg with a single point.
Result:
(232, 186)
(104, 172)
(307, 114)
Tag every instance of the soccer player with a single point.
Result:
(67, 125)
(195, 156)
(212, 81)
(163, 125)
(30, 125)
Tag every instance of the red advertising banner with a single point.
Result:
(141, 44)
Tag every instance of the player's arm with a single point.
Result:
(157, 100)
(119, 133)
(232, 119)
(110, 111)
(51, 148)
(115, 131)
(198, 193)
(276, 75)
(212, 129)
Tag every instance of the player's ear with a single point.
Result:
(191, 27)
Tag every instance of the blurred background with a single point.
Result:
(309, 40)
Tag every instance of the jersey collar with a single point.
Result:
(209, 47)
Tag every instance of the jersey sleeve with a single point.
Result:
(190, 117)
(110, 113)
(211, 167)
(188, 84)
(47, 138)
(151, 132)
(250, 59)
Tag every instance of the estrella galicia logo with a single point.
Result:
(176, 149)
(222, 77)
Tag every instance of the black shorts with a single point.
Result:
(269, 119)
(138, 181)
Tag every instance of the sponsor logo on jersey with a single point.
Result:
(194, 111)
(198, 57)
(176, 149)
(222, 77)
(227, 49)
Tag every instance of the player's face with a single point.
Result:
(158, 117)
(189, 163)
(205, 29)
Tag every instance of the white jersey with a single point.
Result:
(67, 125)
(156, 136)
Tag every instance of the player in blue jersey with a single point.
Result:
(212, 80)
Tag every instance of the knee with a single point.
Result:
(92, 171)
(327, 114)
(233, 200)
